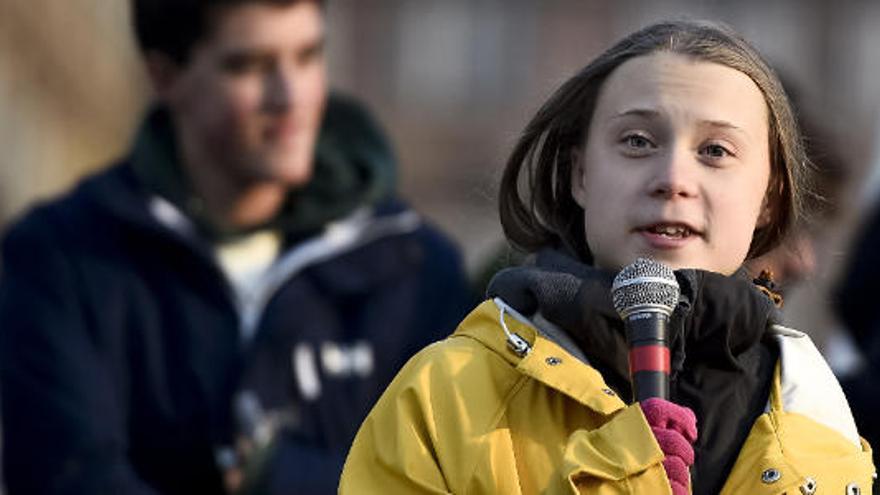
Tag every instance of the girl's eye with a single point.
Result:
(637, 141)
(636, 144)
(716, 151)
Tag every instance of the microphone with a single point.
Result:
(644, 294)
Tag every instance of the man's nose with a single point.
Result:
(279, 89)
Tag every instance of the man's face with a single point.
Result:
(248, 103)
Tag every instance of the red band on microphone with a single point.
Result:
(649, 358)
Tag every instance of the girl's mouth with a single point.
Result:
(670, 231)
(668, 235)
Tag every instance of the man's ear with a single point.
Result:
(578, 193)
(162, 72)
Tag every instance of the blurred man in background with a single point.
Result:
(218, 311)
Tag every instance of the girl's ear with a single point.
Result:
(772, 200)
(766, 215)
(578, 193)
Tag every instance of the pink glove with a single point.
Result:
(675, 428)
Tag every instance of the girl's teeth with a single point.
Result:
(671, 231)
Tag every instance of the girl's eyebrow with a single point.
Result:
(637, 112)
(725, 125)
(650, 114)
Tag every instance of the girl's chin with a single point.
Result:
(672, 261)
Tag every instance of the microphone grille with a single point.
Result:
(645, 284)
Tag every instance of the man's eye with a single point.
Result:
(241, 64)
(312, 54)
(237, 65)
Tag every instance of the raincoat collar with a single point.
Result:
(545, 361)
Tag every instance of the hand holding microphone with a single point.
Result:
(644, 294)
(675, 428)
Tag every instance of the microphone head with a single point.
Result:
(645, 285)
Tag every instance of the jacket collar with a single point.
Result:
(546, 361)
(353, 166)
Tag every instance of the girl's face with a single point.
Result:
(675, 165)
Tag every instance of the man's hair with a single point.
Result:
(172, 27)
(535, 202)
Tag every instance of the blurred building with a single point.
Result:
(454, 81)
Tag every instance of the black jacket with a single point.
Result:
(121, 355)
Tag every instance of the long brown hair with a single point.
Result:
(535, 201)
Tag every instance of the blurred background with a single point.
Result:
(453, 82)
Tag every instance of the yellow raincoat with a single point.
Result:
(471, 415)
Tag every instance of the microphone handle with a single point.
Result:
(649, 359)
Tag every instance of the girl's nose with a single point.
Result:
(674, 176)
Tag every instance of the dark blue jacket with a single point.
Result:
(121, 353)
